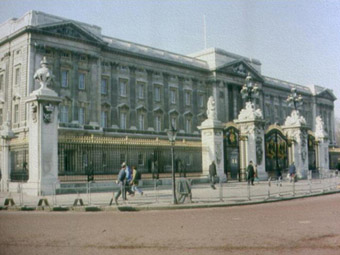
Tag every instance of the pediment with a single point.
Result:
(327, 94)
(72, 30)
(239, 68)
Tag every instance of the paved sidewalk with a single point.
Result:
(160, 197)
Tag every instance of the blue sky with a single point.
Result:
(296, 41)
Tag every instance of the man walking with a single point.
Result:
(251, 173)
(292, 172)
(212, 174)
(121, 180)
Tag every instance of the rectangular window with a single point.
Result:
(201, 101)
(1, 117)
(103, 119)
(16, 113)
(103, 88)
(188, 125)
(141, 122)
(187, 98)
(141, 87)
(81, 116)
(158, 123)
(174, 122)
(64, 78)
(81, 84)
(17, 76)
(2, 81)
(140, 159)
(123, 120)
(157, 94)
(173, 96)
(123, 87)
(64, 114)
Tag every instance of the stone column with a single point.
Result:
(6, 136)
(212, 141)
(251, 126)
(296, 130)
(43, 136)
(322, 141)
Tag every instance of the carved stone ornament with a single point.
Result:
(47, 113)
(259, 150)
(43, 74)
(211, 111)
(320, 128)
(34, 110)
(295, 119)
(249, 113)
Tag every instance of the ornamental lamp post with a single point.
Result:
(249, 89)
(172, 138)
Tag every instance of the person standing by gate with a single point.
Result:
(136, 177)
(251, 173)
(212, 174)
(292, 172)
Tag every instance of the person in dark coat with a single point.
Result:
(121, 180)
(292, 172)
(212, 174)
(251, 173)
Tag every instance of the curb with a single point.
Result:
(130, 208)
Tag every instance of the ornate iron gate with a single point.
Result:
(311, 153)
(276, 151)
(231, 152)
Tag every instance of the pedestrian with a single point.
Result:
(278, 176)
(136, 177)
(121, 179)
(292, 172)
(212, 174)
(128, 173)
(251, 173)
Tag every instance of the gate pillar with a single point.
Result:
(212, 141)
(322, 145)
(251, 126)
(6, 136)
(43, 135)
(296, 130)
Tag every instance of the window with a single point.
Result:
(123, 120)
(158, 123)
(141, 87)
(123, 87)
(103, 119)
(81, 84)
(173, 96)
(201, 100)
(81, 116)
(174, 122)
(16, 113)
(140, 159)
(17, 76)
(65, 54)
(64, 78)
(187, 98)
(188, 125)
(103, 87)
(157, 94)
(64, 114)
(141, 121)
(1, 117)
(1, 81)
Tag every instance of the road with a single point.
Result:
(304, 226)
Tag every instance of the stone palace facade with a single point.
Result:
(125, 95)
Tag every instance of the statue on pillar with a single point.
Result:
(319, 128)
(211, 111)
(43, 74)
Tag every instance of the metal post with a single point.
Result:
(21, 194)
(248, 189)
(174, 199)
(221, 190)
(269, 184)
(294, 187)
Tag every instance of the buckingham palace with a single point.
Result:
(118, 98)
